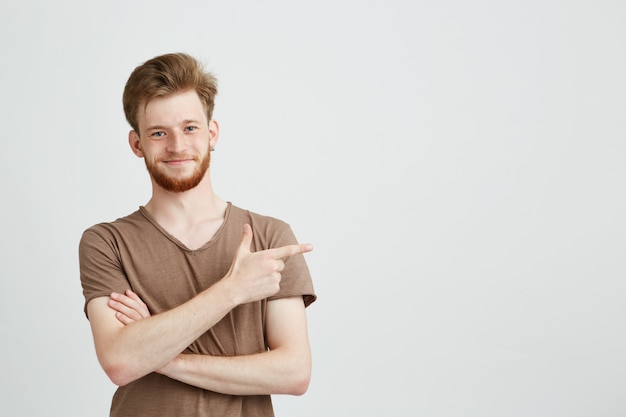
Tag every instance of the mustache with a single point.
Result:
(175, 156)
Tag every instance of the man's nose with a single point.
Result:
(176, 142)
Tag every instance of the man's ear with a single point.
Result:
(214, 132)
(135, 143)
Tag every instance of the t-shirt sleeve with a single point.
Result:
(296, 278)
(101, 271)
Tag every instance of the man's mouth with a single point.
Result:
(178, 160)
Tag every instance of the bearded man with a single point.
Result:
(197, 307)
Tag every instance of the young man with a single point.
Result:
(197, 307)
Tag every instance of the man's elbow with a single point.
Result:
(299, 381)
(117, 376)
(300, 386)
(119, 373)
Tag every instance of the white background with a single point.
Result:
(459, 166)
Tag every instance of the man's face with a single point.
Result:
(175, 140)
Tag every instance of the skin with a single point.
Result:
(174, 137)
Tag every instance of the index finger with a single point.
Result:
(290, 250)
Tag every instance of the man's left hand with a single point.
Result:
(128, 307)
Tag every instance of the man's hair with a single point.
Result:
(164, 75)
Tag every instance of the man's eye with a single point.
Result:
(158, 134)
(190, 128)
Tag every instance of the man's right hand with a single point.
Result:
(254, 276)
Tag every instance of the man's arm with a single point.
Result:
(128, 352)
(284, 369)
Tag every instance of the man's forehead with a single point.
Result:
(173, 108)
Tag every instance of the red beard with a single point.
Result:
(178, 185)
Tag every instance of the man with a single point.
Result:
(197, 307)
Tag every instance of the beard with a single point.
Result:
(174, 184)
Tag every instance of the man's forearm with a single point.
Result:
(147, 345)
(272, 372)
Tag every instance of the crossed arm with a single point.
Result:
(130, 343)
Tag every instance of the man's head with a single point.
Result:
(165, 75)
(169, 102)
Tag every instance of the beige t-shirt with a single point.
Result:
(135, 252)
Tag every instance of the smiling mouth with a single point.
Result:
(177, 161)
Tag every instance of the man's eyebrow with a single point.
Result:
(191, 121)
(156, 127)
(184, 122)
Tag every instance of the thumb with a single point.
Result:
(246, 239)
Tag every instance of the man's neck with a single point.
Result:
(185, 209)
(193, 217)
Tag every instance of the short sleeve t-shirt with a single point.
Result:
(136, 252)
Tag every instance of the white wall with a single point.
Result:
(460, 167)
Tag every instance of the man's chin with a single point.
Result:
(177, 185)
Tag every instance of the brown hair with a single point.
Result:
(164, 75)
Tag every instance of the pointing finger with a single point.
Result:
(290, 250)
